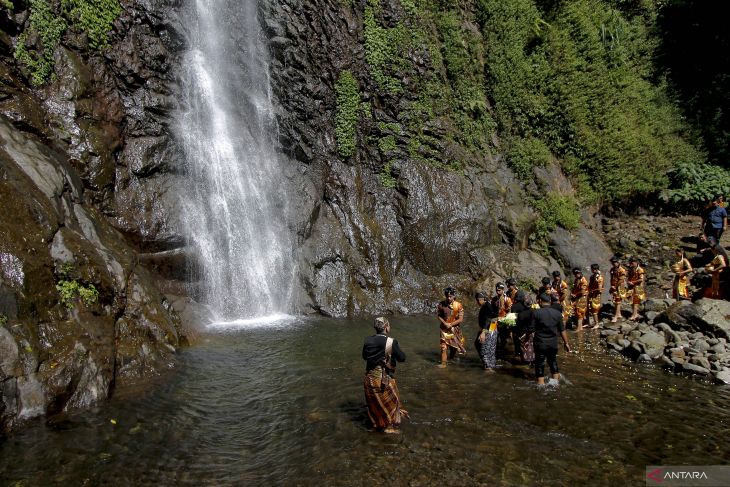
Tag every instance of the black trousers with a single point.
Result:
(541, 354)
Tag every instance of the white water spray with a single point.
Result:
(234, 207)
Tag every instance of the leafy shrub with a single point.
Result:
(94, 17)
(693, 185)
(3, 320)
(48, 28)
(554, 209)
(524, 154)
(386, 176)
(383, 48)
(346, 116)
(71, 290)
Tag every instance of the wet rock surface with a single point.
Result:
(367, 248)
(83, 159)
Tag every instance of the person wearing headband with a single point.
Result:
(618, 286)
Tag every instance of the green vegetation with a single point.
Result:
(8, 4)
(72, 290)
(578, 77)
(47, 27)
(386, 176)
(3, 320)
(94, 17)
(383, 49)
(693, 185)
(525, 154)
(554, 209)
(576, 82)
(36, 46)
(348, 102)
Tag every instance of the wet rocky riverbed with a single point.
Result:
(282, 404)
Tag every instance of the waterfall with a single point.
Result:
(234, 204)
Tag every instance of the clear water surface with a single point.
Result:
(282, 404)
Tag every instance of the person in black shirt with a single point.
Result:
(486, 340)
(518, 307)
(381, 353)
(546, 324)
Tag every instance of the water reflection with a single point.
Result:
(284, 405)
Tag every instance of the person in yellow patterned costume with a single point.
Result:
(560, 288)
(681, 269)
(718, 265)
(579, 298)
(450, 313)
(636, 280)
(618, 286)
(595, 293)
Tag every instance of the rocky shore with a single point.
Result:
(681, 336)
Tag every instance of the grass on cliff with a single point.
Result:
(47, 23)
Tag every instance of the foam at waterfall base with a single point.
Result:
(276, 320)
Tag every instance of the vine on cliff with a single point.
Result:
(346, 116)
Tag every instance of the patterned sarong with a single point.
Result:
(579, 308)
(488, 350)
(453, 338)
(680, 289)
(595, 303)
(383, 400)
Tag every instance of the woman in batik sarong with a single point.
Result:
(486, 341)
(579, 298)
(381, 353)
(681, 269)
(595, 293)
(450, 314)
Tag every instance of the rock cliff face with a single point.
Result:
(89, 170)
(368, 247)
(84, 190)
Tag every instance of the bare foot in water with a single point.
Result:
(391, 431)
(441, 366)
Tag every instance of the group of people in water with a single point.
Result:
(532, 324)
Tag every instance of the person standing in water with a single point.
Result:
(547, 323)
(618, 286)
(450, 314)
(579, 298)
(381, 353)
(486, 341)
(595, 293)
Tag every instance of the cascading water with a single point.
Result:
(234, 206)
